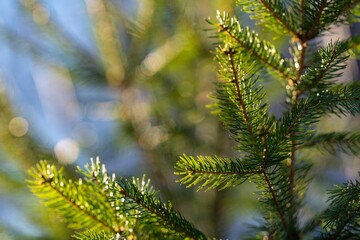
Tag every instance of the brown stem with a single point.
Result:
(240, 99)
(311, 33)
(270, 186)
(303, 12)
(274, 198)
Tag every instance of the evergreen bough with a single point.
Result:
(99, 206)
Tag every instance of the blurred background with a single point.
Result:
(127, 81)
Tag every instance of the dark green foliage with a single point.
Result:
(238, 91)
(156, 218)
(321, 14)
(324, 66)
(271, 146)
(214, 172)
(339, 100)
(274, 15)
(247, 45)
(336, 141)
(342, 219)
(268, 148)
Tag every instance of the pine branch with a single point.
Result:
(250, 46)
(298, 120)
(345, 99)
(92, 235)
(324, 67)
(273, 15)
(314, 10)
(240, 93)
(124, 209)
(280, 197)
(342, 218)
(267, 147)
(336, 12)
(346, 142)
(154, 216)
(273, 202)
(280, 206)
(80, 204)
(340, 100)
(97, 175)
(240, 102)
(321, 14)
(214, 172)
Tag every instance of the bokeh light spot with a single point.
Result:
(66, 151)
(18, 126)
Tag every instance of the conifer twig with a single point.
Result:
(268, 182)
(345, 222)
(170, 218)
(312, 32)
(278, 18)
(238, 91)
(255, 54)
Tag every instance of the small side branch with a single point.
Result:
(343, 225)
(71, 202)
(278, 18)
(240, 99)
(269, 184)
(254, 53)
(274, 198)
(165, 214)
(312, 31)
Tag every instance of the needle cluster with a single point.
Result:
(269, 150)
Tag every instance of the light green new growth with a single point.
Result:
(269, 149)
(108, 208)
